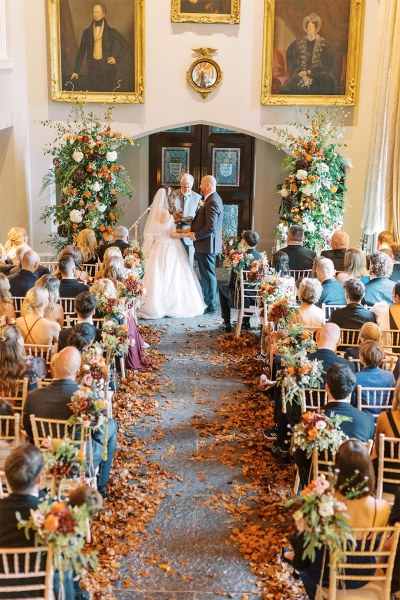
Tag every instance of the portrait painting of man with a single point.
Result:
(100, 48)
(211, 7)
(309, 51)
(205, 11)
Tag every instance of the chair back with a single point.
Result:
(9, 436)
(313, 398)
(17, 302)
(68, 305)
(329, 308)
(45, 351)
(368, 543)
(26, 572)
(323, 461)
(301, 273)
(51, 265)
(71, 320)
(349, 337)
(91, 270)
(388, 464)
(55, 428)
(391, 339)
(374, 400)
(246, 299)
(16, 395)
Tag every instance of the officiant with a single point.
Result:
(183, 204)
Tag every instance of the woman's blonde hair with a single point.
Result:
(370, 331)
(36, 297)
(114, 269)
(355, 263)
(52, 285)
(15, 237)
(104, 287)
(112, 251)
(87, 242)
(5, 296)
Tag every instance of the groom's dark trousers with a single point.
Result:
(207, 227)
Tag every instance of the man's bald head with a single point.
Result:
(325, 269)
(340, 239)
(208, 185)
(66, 364)
(328, 336)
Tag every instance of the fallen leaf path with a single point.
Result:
(196, 505)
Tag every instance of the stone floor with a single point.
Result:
(191, 542)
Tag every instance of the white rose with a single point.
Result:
(301, 174)
(111, 156)
(77, 156)
(308, 189)
(96, 187)
(326, 509)
(320, 425)
(101, 207)
(75, 216)
(284, 192)
(66, 190)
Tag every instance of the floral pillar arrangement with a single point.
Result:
(312, 191)
(88, 178)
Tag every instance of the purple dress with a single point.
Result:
(135, 358)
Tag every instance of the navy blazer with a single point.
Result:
(70, 288)
(336, 256)
(361, 427)
(373, 378)
(352, 316)
(21, 282)
(329, 358)
(300, 257)
(379, 289)
(332, 293)
(207, 226)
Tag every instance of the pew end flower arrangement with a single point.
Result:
(297, 339)
(86, 174)
(296, 374)
(94, 371)
(259, 269)
(63, 459)
(311, 193)
(317, 431)
(134, 260)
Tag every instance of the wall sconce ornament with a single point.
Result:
(204, 74)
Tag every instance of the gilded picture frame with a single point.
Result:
(204, 75)
(82, 41)
(205, 11)
(311, 52)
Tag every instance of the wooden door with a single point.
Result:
(202, 150)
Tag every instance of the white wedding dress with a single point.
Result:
(172, 288)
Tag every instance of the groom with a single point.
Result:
(206, 233)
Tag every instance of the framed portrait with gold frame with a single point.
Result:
(96, 51)
(311, 52)
(205, 11)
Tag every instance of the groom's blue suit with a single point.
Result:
(207, 227)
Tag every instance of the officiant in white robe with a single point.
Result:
(184, 203)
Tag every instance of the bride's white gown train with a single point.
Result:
(172, 288)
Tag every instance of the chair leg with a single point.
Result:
(239, 323)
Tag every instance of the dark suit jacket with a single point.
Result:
(10, 535)
(38, 273)
(395, 276)
(64, 334)
(379, 289)
(329, 358)
(336, 256)
(362, 426)
(352, 316)
(207, 226)
(70, 288)
(118, 243)
(113, 44)
(332, 293)
(300, 257)
(21, 282)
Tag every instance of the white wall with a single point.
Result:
(169, 102)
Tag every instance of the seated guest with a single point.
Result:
(114, 269)
(110, 252)
(354, 315)
(355, 266)
(388, 423)
(280, 264)
(379, 288)
(54, 310)
(332, 290)
(69, 286)
(82, 336)
(76, 253)
(388, 317)
(40, 271)
(15, 364)
(300, 257)
(87, 243)
(384, 242)
(227, 290)
(85, 308)
(35, 328)
(52, 402)
(339, 245)
(369, 331)
(371, 356)
(120, 239)
(23, 470)
(307, 313)
(23, 281)
(16, 237)
(395, 276)
(7, 312)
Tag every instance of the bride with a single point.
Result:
(172, 288)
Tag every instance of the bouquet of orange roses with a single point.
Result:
(317, 431)
(297, 339)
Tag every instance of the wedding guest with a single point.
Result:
(35, 328)
(353, 315)
(369, 331)
(308, 314)
(388, 317)
(108, 254)
(15, 364)
(371, 356)
(82, 336)
(380, 287)
(69, 286)
(120, 239)
(7, 312)
(332, 290)
(114, 269)
(85, 308)
(16, 237)
(23, 281)
(300, 257)
(384, 242)
(54, 311)
(76, 253)
(355, 266)
(41, 270)
(388, 423)
(87, 243)
(339, 245)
